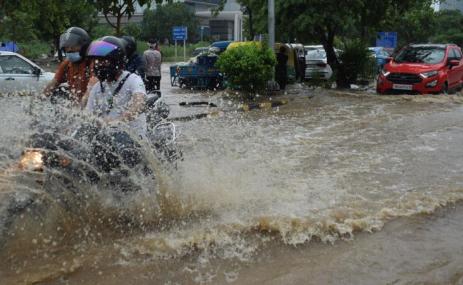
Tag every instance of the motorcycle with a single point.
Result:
(93, 156)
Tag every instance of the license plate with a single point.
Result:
(402, 87)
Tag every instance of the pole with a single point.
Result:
(175, 50)
(184, 50)
(271, 23)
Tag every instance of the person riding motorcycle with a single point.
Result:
(76, 69)
(118, 96)
(135, 63)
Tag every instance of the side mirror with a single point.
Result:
(453, 62)
(37, 71)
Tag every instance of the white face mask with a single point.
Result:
(73, 56)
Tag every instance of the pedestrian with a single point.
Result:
(153, 60)
(302, 65)
(135, 62)
(281, 73)
(76, 69)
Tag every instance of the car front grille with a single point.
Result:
(404, 78)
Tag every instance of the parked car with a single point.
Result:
(18, 73)
(381, 56)
(423, 68)
(316, 64)
(199, 50)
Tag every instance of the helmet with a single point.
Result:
(75, 37)
(111, 49)
(108, 47)
(130, 45)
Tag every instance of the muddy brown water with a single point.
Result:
(332, 188)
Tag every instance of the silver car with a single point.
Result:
(19, 74)
(316, 64)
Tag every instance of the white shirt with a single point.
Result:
(99, 101)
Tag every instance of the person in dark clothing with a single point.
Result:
(302, 65)
(135, 62)
(281, 73)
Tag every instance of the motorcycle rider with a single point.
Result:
(135, 63)
(118, 96)
(76, 69)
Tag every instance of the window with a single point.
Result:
(421, 54)
(12, 64)
(456, 54)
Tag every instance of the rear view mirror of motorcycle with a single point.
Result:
(164, 133)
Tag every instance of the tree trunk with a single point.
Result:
(60, 54)
(251, 26)
(118, 25)
(327, 39)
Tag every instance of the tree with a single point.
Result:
(119, 9)
(28, 20)
(327, 20)
(158, 23)
(448, 27)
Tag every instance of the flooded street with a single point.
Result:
(332, 188)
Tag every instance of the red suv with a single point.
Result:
(424, 68)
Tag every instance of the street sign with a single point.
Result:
(180, 33)
(387, 39)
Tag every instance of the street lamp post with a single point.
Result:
(271, 23)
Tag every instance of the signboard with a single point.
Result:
(180, 33)
(387, 39)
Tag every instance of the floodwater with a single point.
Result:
(332, 188)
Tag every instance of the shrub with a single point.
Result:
(248, 67)
(34, 49)
(356, 62)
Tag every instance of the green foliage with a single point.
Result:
(132, 29)
(101, 30)
(34, 49)
(356, 61)
(415, 24)
(249, 66)
(121, 8)
(158, 23)
(28, 20)
(448, 28)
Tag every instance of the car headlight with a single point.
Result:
(384, 72)
(429, 74)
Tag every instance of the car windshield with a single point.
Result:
(428, 55)
(316, 54)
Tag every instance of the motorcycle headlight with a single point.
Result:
(31, 160)
(429, 74)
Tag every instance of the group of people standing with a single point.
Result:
(107, 76)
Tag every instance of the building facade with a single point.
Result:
(450, 5)
(227, 25)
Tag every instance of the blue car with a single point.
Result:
(222, 45)
(381, 56)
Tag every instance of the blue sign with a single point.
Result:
(387, 39)
(9, 46)
(180, 33)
